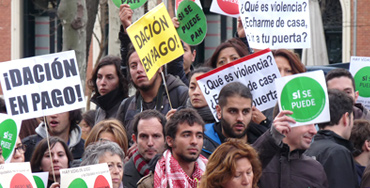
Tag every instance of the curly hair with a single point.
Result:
(221, 166)
(112, 126)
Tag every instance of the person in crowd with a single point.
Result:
(149, 138)
(282, 154)
(19, 150)
(181, 164)
(234, 111)
(87, 123)
(110, 87)
(228, 51)
(189, 57)
(343, 80)
(331, 146)
(233, 164)
(2, 160)
(63, 125)
(59, 155)
(111, 130)
(288, 62)
(151, 94)
(106, 152)
(360, 137)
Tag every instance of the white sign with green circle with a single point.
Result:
(360, 69)
(306, 96)
(193, 22)
(9, 130)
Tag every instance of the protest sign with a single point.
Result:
(306, 96)
(276, 24)
(360, 69)
(134, 4)
(179, 1)
(9, 130)
(41, 85)
(86, 176)
(227, 8)
(41, 179)
(16, 175)
(193, 23)
(155, 39)
(257, 71)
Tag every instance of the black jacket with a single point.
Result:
(334, 153)
(130, 176)
(287, 169)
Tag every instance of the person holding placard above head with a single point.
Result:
(109, 85)
(108, 130)
(63, 125)
(106, 152)
(151, 94)
(331, 146)
(281, 151)
(343, 80)
(233, 165)
(58, 158)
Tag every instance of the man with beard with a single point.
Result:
(149, 138)
(150, 94)
(234, 110)
(181, 164)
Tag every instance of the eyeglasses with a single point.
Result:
(20, 148)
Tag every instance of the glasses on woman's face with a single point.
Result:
(20, 148)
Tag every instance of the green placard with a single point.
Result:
(8, 137)
(305, 97)
(134, 4)
(362, 81)
(193, 23)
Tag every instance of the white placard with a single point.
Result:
(257, 71)
(86, 176)
(9, 131)
(306, 96)
(16, 175)
(360, 70)
(226, 8)
(41, 178)
(42, 85)
(276, 24)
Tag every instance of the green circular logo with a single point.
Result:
(193, 23)
(134, 4)
(78, 182)
(8, 137)
(305, 97)
(362, 82)
(39, 182)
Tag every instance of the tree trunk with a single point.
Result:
(92, 10)
(73, 16)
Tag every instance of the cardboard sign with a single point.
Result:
(41, 85)
(193, 23)
(86, 177)
(155, 39)
(257, 71)
(276, 24)
(134, 4)
(9, 131)
(227, 8)
(306, 96)
(41, 179)
(16, 175)
(360, 70)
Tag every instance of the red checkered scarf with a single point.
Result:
(168, 172)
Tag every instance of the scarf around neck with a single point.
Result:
(168, 172)
(140, 164)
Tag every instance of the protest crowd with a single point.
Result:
(168, 135)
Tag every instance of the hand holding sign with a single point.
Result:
(125, 15)
(306, 96)
(193, 23)
(134, 4)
